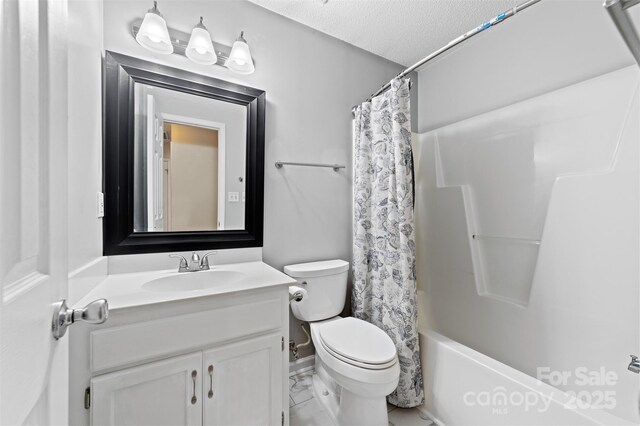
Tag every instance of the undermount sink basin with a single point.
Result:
(193, 281)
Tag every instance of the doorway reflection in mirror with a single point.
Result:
(189, 162)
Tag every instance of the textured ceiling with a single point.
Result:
(403, 31)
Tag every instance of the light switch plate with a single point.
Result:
(100, 204)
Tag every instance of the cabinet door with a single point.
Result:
(243, 383)
(159, 393)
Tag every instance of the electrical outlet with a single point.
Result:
(100, 204)
(234, 197)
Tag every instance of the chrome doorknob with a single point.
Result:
(95, 312)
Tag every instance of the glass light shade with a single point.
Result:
(153, 33)
(200, 48)
(240, 60)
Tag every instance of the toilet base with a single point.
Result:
(328, 400)
(356, 410)
(347, 408)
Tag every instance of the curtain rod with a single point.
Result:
(466, 36)
(617, 11)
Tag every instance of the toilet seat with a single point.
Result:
(358, 343)
(357, 363)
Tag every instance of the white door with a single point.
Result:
(243, 383)
(33, 210)
(167, 392)
(155, 167)
(166, 194)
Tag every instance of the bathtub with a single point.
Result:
(465, 387)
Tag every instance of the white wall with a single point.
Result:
(583, 306)
(311, 82)
(86, 264)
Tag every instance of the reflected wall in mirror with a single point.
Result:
(184, 160)
(189, 162)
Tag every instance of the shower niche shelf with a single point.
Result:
(508, 265)
(506, 239)
(507, 162)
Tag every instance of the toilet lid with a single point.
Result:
(357, 363)
(358, 342)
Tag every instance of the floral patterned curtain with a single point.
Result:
(384, 265)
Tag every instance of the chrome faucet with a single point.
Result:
(196, 264)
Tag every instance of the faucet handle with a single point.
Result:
(183, 262)
(204, 263)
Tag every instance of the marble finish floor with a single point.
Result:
(304, 410)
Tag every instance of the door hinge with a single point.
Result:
(87, 398)
(282, 343)
(283, 413)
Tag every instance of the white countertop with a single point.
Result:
(126, 290)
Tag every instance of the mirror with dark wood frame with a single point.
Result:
(183, 160)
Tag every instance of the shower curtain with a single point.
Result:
(384, 265)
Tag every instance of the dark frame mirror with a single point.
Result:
(121, 73)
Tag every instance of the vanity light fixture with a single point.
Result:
(153, 33)
(240, 59)
(200, 49)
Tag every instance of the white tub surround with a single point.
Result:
(178, 346)
(561, 167)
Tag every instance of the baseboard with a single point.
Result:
(302, 364)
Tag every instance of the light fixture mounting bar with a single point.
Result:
(180, 41)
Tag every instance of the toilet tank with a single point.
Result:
(325, 284)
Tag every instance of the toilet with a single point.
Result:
(356, 363)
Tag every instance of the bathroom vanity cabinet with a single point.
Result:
(210, 359)
(237, 383)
